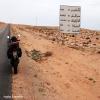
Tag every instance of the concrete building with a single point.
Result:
(69, 20)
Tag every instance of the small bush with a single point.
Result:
(36, 55)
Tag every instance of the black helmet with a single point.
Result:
(13, 39)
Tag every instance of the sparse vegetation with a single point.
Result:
(38, 56)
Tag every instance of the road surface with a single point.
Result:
(5, 68)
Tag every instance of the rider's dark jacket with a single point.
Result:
(14, 47)
(10, 53)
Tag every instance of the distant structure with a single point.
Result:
(69, 20)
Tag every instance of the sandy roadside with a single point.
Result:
(2, 25)
(68, 74)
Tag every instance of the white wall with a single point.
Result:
(69, 20)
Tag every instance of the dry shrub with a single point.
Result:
(38, 56)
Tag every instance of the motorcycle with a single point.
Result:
(13, 53)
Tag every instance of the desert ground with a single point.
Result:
(64, 67)
(2, 25)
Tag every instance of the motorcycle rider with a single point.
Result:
(14, 46)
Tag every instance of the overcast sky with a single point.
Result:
(46, 12)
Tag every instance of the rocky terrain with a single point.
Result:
(86, 40)
(57, 66)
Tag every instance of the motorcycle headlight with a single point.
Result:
(8, 37)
